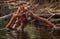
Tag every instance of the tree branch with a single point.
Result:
(6, 16)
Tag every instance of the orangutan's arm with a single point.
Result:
(16, 24)
(44, 20)
(11, 20)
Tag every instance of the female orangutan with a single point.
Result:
(22, 19)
